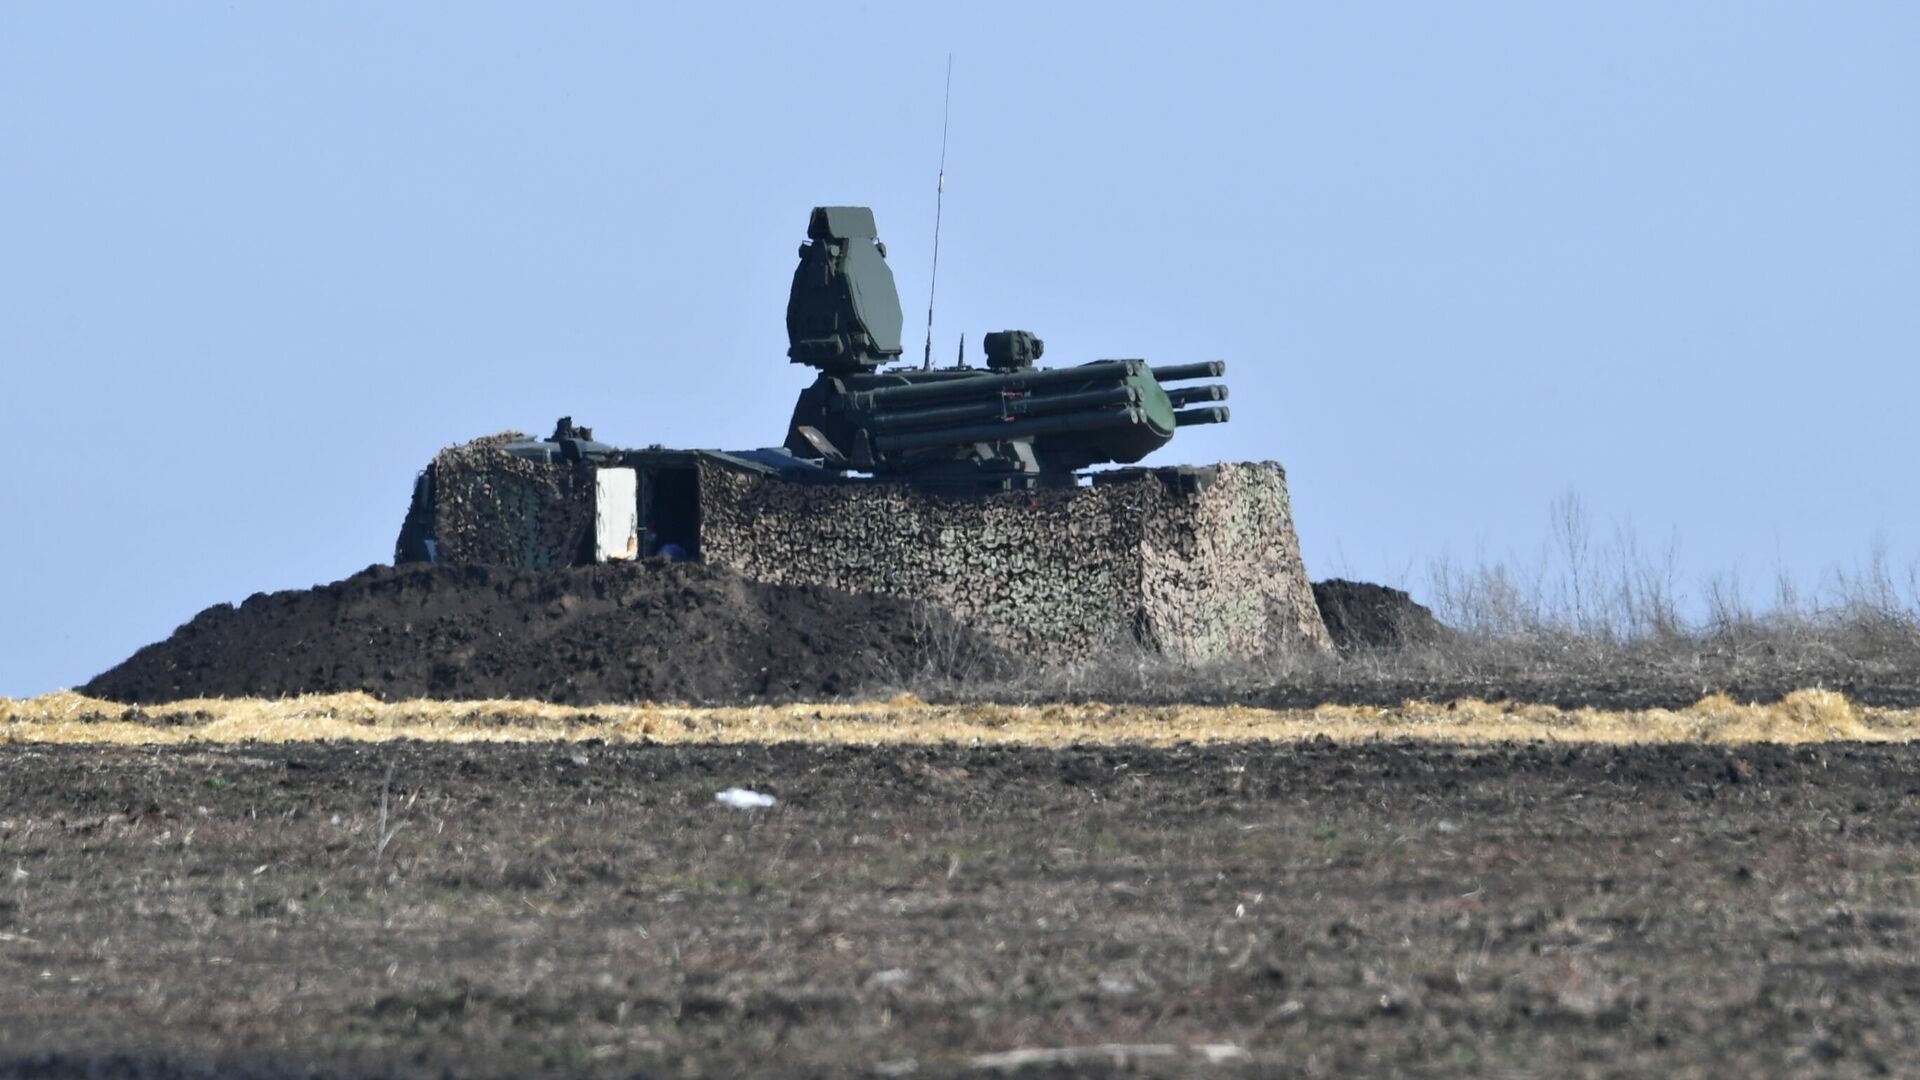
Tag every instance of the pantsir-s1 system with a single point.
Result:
(969, 487)
(1007, 426)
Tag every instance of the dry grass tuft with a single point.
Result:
(1801, 717)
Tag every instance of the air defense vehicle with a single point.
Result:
(971, 488)
(1006, 426)
(1009, 425)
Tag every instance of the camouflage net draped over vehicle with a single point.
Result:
(1200, 562)
(476, 504)
(1196, 562)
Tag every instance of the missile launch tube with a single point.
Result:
(1001, 408)
(1212, 414)
(949, 390)
(1188, 395)
(1206, 369)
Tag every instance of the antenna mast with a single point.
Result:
(939, 198)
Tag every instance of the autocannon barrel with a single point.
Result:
(1031, 427)
(1206, 369)
(956, 389)
(1000, 407)
(1188, 395)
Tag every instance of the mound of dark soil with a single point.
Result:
(589, 635)
(1363, 615)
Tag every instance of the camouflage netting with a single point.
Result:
(1196, 562)
(479, 504)
(1208, 572)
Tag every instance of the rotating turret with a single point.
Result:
(1009, 425)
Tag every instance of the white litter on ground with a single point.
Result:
(742, 799)
(1119, 1055)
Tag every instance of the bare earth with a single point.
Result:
(1244, 908)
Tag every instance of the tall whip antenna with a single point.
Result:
(939, 198)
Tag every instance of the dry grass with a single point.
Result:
(1586, 621)
(1803, 716)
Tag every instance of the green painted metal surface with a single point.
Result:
(1008, 425)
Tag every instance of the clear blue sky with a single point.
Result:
(259, 261)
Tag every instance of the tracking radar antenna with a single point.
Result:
(939, 198)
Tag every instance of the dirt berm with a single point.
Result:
(590, 635)
(1360, 614)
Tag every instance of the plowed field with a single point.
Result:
(1241, 897)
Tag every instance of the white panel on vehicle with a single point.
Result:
(616, 515)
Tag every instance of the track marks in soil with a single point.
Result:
(1391, 908)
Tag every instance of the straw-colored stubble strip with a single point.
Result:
(1804, 716)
